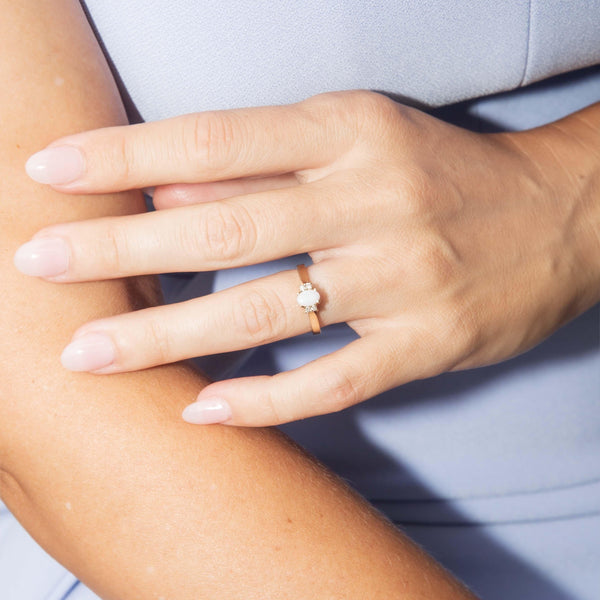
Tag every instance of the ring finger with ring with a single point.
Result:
(244, 316)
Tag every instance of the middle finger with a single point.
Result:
(230, 233)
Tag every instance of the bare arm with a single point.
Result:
(101, 470)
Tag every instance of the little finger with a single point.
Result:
(356, 372)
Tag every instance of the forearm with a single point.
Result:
(101, 470)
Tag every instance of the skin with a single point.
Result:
(102, 471)
(443, 249)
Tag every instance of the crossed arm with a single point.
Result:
(101, 470)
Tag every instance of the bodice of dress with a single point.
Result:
(189, 55)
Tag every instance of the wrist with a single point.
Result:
(581, 160)
(563, 159)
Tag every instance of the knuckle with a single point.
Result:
(435, 262)
(115, 249)
(348, 103)
(356, 116)
(343, 391)
(125, 164)
(157, 338)
(376, 119)
(213, 138)
(227, 232)
(271, 406)
(374, 113)
(373, 104)
(341, 112)
(261, 316)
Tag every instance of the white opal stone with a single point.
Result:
(308, 298)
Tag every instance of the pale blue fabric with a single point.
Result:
(184, 56)
(495, 471)
(563, 34)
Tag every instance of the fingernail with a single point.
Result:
(89, 353)
(43, 257)
(56, 166)
(207, 412)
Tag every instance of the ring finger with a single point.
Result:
(247, 315)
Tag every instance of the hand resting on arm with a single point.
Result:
(102, 471)
(442, 248)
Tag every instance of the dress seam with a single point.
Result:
(527, 46)
(551, 490)
(463, 521)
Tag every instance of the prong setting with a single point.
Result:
(308, 297)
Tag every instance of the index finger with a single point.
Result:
(199, 147)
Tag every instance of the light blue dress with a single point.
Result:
(495, 471)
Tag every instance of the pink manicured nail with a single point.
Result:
(90, 352)
(43, 257)
(207, 412)
(56, 166)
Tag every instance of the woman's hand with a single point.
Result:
(443, 249)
